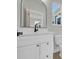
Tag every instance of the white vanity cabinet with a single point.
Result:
(35, 46)
(28, 52)
(45, 51)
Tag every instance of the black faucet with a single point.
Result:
(36, 28)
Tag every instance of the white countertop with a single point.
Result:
(35, 33)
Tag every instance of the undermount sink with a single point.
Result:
(35, 33)
(30, 31)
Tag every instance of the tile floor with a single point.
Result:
(56, 56)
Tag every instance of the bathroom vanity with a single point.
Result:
(35, 42)
(35, 46)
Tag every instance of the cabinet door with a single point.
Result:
(28, 52)
(45, 51)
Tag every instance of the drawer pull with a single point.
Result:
(37, 45)
(47, 56)
(47, 43)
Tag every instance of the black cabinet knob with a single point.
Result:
(47, 43)
(47, 56)
(37, 45)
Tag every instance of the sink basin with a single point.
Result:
(30, 31)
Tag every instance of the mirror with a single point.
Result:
(56, 13)
(30, 12)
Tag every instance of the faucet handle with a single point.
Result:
(39, 26)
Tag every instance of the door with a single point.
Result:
(28, 52)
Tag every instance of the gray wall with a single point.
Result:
(18, 13)
(51, 27)
(33, 5)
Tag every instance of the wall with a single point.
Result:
(32, 5)
(18, 13)
(51, 27)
